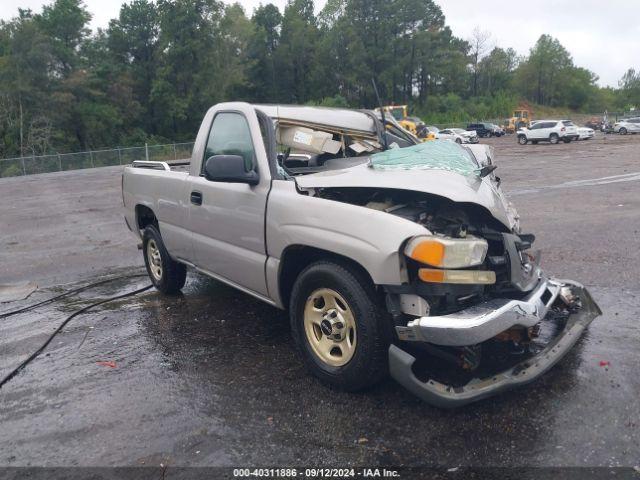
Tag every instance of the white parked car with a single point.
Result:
(551, 131)
(628, 125)
(585, 133)
(458, 135)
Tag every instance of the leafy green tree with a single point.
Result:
(65, 24)
(130, 61)
(25, 85)
(544, 75)
(495, 71)
(263, 77)
(630, 89)
(295, 54)
(156, 69)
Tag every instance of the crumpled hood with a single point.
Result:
(448, 184)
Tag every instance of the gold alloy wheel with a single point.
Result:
(155, 262)
(330, 327)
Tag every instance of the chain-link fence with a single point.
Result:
(13, 167)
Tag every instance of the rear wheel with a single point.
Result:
(553, 138)
(522, 140)
(339, 326)
(165, 273)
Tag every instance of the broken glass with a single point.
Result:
(432, 155)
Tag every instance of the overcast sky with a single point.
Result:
(603, 36)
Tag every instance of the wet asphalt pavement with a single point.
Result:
(210, 377)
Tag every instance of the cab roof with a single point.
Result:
(336, 117)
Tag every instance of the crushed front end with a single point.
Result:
(484, 320)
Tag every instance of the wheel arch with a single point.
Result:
(295, 258)
(145, 216)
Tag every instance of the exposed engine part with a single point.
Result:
(519, 335)
(570, 300)
(470, 357)
(437, 214)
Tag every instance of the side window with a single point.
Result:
(550, 125)
(536, 126)
(230, 135)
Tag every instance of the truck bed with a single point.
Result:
(175, 165)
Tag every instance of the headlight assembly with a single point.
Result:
(445, 252)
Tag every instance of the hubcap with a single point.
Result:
(155, 261)
(330, 327)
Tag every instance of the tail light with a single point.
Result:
(562, 129)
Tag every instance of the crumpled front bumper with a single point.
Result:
(483, 322)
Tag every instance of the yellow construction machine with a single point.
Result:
(522, 117)
(413, 124)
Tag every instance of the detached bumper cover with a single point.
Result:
(446, 396)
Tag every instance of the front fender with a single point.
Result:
(369, 237)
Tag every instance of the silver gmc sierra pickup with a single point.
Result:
(392, 255)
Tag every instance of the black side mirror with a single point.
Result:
(229, 168)
(486, 170)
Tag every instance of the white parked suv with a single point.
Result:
(628, 125)
(548, 131)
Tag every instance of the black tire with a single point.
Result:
(458, 141)
(623, 131)
(373, 331)
(522, 140)
(553, 138)
(567, 140)
(535, 142)
(172, 275)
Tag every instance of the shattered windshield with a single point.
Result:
(434, 155)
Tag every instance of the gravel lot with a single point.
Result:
(210, 377)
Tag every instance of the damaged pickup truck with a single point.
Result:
(392, 256)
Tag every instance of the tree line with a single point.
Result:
(153, 72)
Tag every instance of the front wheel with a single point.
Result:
(458, 141)
(566, 140)
(623, 131)
(522, 140)
(165, 273)
(339, 326)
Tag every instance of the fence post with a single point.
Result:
(24, 170)
(59, 163)
(119, 156)
(146, 151)
(175, 153)
(91, 157)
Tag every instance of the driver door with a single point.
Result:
(227, 220)
(536, 131)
